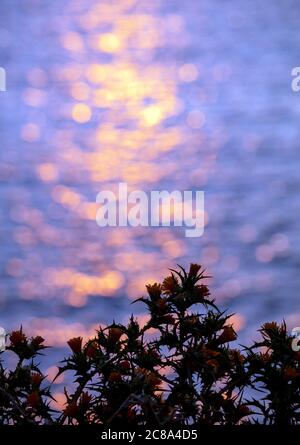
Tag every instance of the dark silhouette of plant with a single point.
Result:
(277, 372)
(22, 397)
(177, 369)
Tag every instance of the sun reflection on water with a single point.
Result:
(115, 105)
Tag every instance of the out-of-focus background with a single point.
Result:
(192, 95)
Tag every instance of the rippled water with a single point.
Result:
(161, 95)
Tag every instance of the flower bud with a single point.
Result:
(194, 269)
(227, 335)
(37, 342)
(75, 344)
(17, 338)
(114, 377)
(114, 334)
(33, 399)
(124, 365)
(36, 379)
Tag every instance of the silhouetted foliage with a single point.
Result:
(176, 370)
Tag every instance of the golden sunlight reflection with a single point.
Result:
(127, 102)
(125, 96)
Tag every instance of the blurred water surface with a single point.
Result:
(190, 95)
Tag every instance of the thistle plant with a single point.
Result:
(183, 367)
